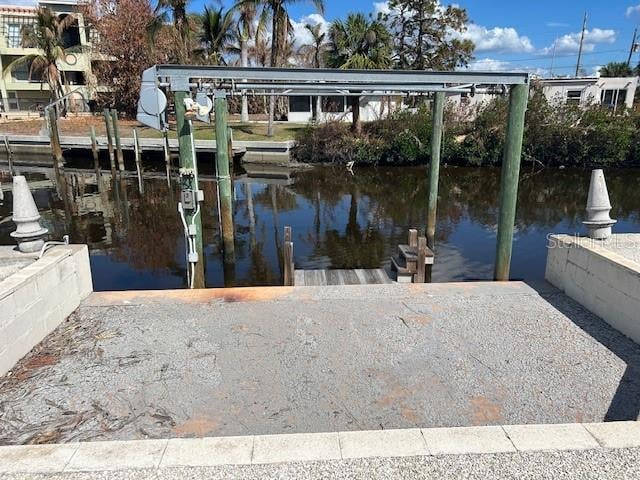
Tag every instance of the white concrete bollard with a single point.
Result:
(29, 234)
(598, 221)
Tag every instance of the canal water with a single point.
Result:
(339, 220)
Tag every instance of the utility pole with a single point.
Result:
(634, 46)
(584, 27)
(553, 57)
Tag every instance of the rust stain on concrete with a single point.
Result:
(205, 295)
(196, 427)
(409, 414)
(484, 411)
(422, 320)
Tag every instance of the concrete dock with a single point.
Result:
(277, 360)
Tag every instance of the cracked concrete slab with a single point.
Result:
(138, 365)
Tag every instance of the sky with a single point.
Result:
(511, 35)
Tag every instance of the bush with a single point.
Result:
(555, 134)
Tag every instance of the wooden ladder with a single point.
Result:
(412, 260)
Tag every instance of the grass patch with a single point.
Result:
(80, 126)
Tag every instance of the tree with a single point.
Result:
(428, 35)
(216, 33)
(616, 69)
(314, 53)
(121, 40)
(47, 35)
(183, 27)
(358, 43)
(281, 29)
(245, 31)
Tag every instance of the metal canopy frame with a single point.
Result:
(220, 82)
(304, 81)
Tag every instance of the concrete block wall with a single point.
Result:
(36, 299)
(601, 280)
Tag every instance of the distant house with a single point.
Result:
(612, 92)
(337, 107)
(21, 94)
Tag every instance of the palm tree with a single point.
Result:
(314, 53)
(358, 43)
(281, 28)
(216, 33)
(245, 31)
(181, 25)
(47, 36)
(616, 69)
(260, 50)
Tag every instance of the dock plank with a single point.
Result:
(319, 277)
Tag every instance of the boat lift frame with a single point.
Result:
(193, 88)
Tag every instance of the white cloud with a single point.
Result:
(489, 65)
(496, 39)
(496, 65)
(556, 24)
(633, 11)
(301, 34)
(381, 7)
(570, 43)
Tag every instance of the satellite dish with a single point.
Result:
(153, 101)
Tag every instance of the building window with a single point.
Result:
(333, 104)
(21, 74)
(75, 78)
(613, 98)
(574, 96)
(14, 37)
(299, 104)
(17, 31)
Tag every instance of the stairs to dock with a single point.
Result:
(412, 264)
(405, 263)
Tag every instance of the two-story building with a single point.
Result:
(21, 94)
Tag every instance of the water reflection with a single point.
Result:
(338, 221)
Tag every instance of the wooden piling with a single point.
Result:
(288, 267)
(56, 149)
(188, 183)
(518, 97)
(136, 151)
(434, 166)
(7, 146)
(94, 151)
(422, 256)
(116, 134)
(413, 237)
(224, 177)
(167, 155)
(109, 128)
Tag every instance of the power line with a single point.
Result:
(544, 57)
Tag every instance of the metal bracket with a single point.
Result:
(180, 84)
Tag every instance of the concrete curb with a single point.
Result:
(266, 449)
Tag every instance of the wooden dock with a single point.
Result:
(79, 143)
(359, 276)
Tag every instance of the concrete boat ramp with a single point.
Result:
(285, 360)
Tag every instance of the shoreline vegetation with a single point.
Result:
(556, 135)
